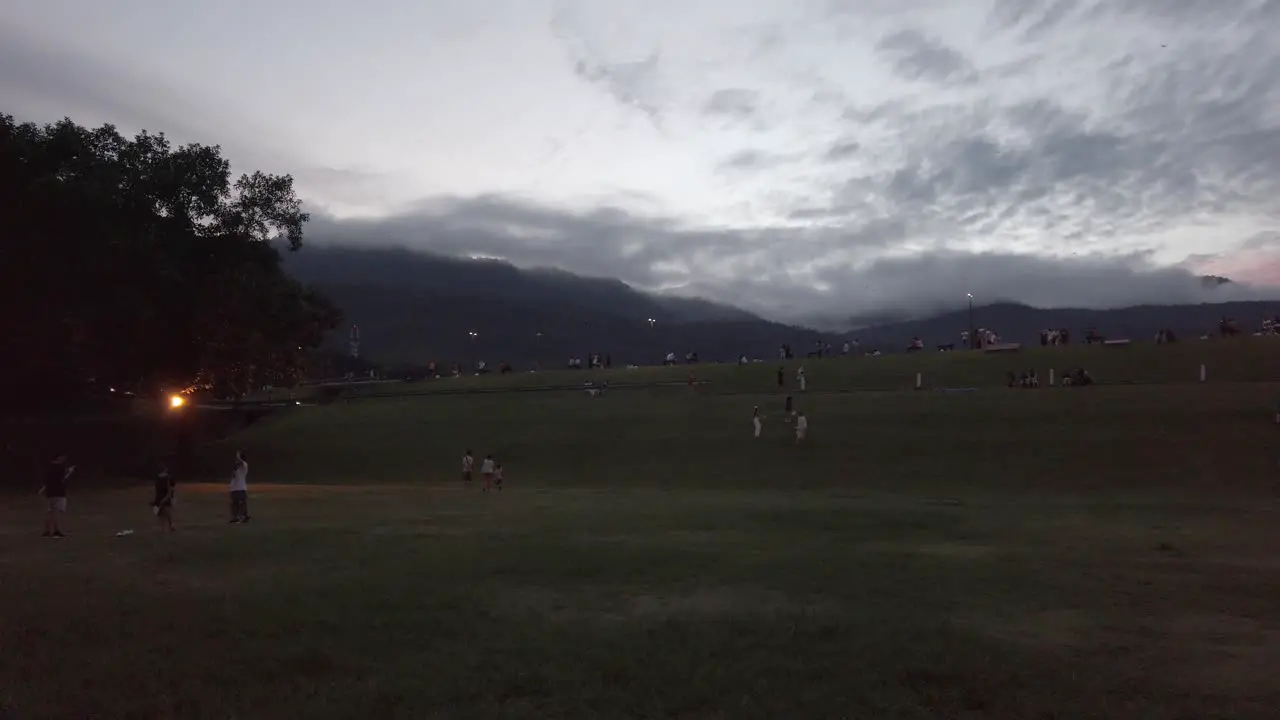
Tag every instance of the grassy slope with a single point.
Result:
(1101, 552)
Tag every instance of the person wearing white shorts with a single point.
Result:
(802, 426)
(55, 494)
(757, 420)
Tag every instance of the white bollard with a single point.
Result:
(1050, 377)
(1202, 372)
(919, 381)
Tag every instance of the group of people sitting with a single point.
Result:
(1029, 378)
(981, 338)
(594, 360)
(690, 358)
(1059, 336)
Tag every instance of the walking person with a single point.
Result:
(468, 461)
(757, 420)
(240, 489)
(486, 470)
(55, 494)
(802, 427)
(162, 504)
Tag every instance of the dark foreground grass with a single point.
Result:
(431, 602)
(994, 555)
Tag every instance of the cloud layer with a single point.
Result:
(755, 272)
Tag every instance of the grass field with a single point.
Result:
(1065, 553)
(1249, 359)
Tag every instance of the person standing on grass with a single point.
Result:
(163, 502)
(486, 469)
(497, 475)
(800, 376)
(468, 462)
(55, 494)
(802, 427)
(782, 379)
(757, 420)
(240, 489)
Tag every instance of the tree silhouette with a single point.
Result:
(132, 264)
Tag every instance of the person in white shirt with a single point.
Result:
(486, 469)
(240, 489)
(802, 426)
(467, 463)
(800, 376)
(757, 420)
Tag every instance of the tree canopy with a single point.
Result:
(132, 263)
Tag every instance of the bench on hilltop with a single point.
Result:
(1003, 347)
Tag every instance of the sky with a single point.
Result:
(800, 158)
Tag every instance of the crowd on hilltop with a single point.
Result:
(981, 338)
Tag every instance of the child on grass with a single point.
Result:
(486, 469)
(163, 502)
(55, 494)
(240, 489)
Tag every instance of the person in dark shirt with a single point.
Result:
(163, 502)
(55, 493)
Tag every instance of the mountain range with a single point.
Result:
(413, 307)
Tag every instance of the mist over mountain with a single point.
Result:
(413, 307)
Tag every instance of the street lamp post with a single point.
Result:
(973, 335)
(651, 322)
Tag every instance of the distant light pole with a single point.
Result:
(651, 322)
(972, 333)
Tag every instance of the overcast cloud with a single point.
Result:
(796, 157)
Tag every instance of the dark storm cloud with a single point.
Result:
(916, 56)
(604, 242)
(733, 102)
(782, 273)
(1032, 18)
(940, 281)
(1269, 240)
(627, 82)
(842, 150)
(751, 160)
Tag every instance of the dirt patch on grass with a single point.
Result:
(725, 602)
(682, 538)
(1228, 652)
(1049, 629)
(953, 550)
